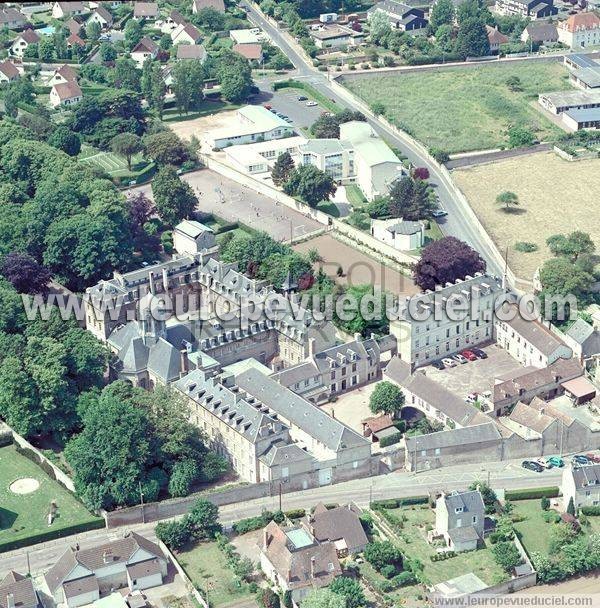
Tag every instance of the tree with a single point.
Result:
(559, 276)
(328, 127)
(350, 589)
(282, 169)
(442, 13)
(126, 145)
(25, 274)
(472, 39)
(153, 86)
(166, 148)
(64, 139)
(386, 398)
(93, 31)
(519, 137)
(487, 494)
(183, 476)
(188, 84)
(108, 53)
(545, 503)
(173, 198)
(514, 83)
(126, 75)
(446, 260)
(572, 246)
(509, 200)
(203, 519)
(235, 83)
(141, 209)
(379, 27)
(133, 33)
(571, 507)
(323, 598)
(380, 554)
(310, 184)
(506, 555)
(175, 534)
(213, 467)
(268, 598)
(410, 200)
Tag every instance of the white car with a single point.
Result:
(449, 362)
(311, 104)
(544, 463)
(458, 357)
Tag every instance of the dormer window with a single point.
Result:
(459, 509)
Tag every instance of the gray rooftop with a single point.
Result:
(481, 433)
(469, 501)
(572, 98)
(590, 76)
(584, 114)
(586, 475)
(405, 227)
(536, 334)
(582, 61)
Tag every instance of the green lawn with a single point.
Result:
(412, 541)
(534, 531)
(26, 514)
(355, 196)
(114, 165)
(207, 568)
(464, 108)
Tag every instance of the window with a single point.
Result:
(438, 451)
(458, 509)
(474, 519)
(459, 523)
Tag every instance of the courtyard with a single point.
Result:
(352, 407)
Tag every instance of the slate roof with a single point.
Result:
(397, 370)
(189, 29)
(530, 417)
(9, 15)
(539, 31)
(281, 453)
(218, 5)
(391, 7)
(405, 227)
(341, 523)
(105, 14)
(81, 586)
(149, 567)
(481, 433)
(464, 534)
(469, 501)
(586, 475)
(21, 588)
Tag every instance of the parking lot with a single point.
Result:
(475, 376)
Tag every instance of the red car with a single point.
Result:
(593, 457)
(470, 355)
(267, 106)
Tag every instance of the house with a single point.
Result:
(190, 237)
(217, 5)
(64, 73)
(583, 338)
(60, 10)
(102, 17)
(22, 41)
(174, 19)
(336, 37)
(340, 526)
(75, 41)
(185, 33)
(17, 591)
(12, 18)
(580, 30)
(403, 17)
(248, 36)
(80, 576)
(8, 72)
(145, 10)
(145, 48)
(459, 519)
(191, 51)
(296, 562)
(540, 32)
(73, 26)
(379, 427)
(529, 341)
(562, 101)
(65, 94)
(252, 52)
(495, 38)
(582, 484)
(400, 234)
(534, 9)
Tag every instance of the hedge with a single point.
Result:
(295, 513)
(527, 493)
(34, 539)
(440, 557)
(394, 503)
(391, 440)
(593, 511)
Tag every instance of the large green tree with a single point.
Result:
(472, 39)
(442, 13)
(387, 398)
(188, 84)
(174, 199)
(126, 145)
(310, 184)
(282, 169)
(410, 200)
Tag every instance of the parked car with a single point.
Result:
(438, 364)
(471, 398)
(439, 212)
(449, 362)
(311, 104)
(480, 354)
(543, 462)
(458, 357)
(556, 461)
(580, 459)
(470, 355)
(302, 98)
(593, 457)
(267, 106)
(532, 466)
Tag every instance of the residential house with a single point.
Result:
(459, 519)
(433, 333)
(580, 30)
(80, 576)
(74, 26)
(191, 51)
(404, 235)
(65, 94)
(148, 11)
(23, 40)
(12, 18)
(495, 38)
(379, 427)
(186, 33)
(60, 10)
(65, 73)
(296, 562)
(8, 72)
(191, 237)
(145, 48)
(198, 5)
(540, 32)
(252, 35)
(252, 52)
(102, 17)
(534, 9)
(17, 591)
(174, 19)
(335, 36)
(529, 342)
(340, 526)
(582, 484)
(403, 17)
(75, 41)
(584, 340)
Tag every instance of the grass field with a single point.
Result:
(206, 566)
(464, 108)
(114, 165)
(26, 514)
(556, 196)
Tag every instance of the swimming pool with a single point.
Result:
(47, 30)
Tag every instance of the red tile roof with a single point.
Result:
(249, 51)
(581, 21)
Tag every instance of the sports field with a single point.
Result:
(114, 165)
(466, 108)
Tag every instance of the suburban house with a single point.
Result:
(252, 52)
(186, 33)
(8, 72)
(65, 94)
(102, 17)
(145, 48)
(191, 237)
(580, 30)
(75, 41)
(81, 576)
(540, 32)
(495, 38)
(534, 9)
(584, 340)
(255, 123)
(530, 342)
(23, 40)
(404, 235)
(403, 17)
(60, 10)
(147, 11)
(73, 26)
(460, 519)
(17, 591)
(198, 5)
(174, 19)
(65, 73)
(12, 18)
(252, 35)
(340, 526)
(582, 484)
(333, 36)
(191, 51)
(295, 561)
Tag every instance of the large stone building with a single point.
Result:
(580, 30)
(534, 9)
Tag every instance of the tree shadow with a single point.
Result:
(7, 518)
(513, 211)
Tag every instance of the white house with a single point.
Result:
(68, 9)
(22, 41)
(145, 48)
(64, 73)
(102, 17)
(191, 237)
(403, 235)
(336, 36)
(185, 33)
(8, 72)
(582, 484)
(249, 36)
(580, 30)
(459, 519)
(65, 94)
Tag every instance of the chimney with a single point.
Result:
(289, 575)
(185, 363)
(357, 336)
(266, 538)
(151, 286)
(165, 281)
(313, 561)
(312, 347)
(10, 600)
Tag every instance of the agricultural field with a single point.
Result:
(464, 108)
(556, 196)
(26, 492)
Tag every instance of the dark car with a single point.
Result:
(481, 354)
(579, 459)
(532, 466)
(303, 98)
(438, 365)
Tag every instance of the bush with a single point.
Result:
(404, 578)
(591, 511)
(391, 440)
(388, 571)
(526, 247)
(295, 513)
(256, 523)
(394, 503)
(545, 503)
(175, 534)
(439, 155)
(530, 493)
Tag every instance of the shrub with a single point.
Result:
(592, 511)
(526, 247)
(545, 503)
(530, 493)
(439, 155)
(388, 571)
(381, 554)
(295, 513)
(404, 578)
(390, 440)
(175, 534)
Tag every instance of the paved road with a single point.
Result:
(507, 475)
(234, 202)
